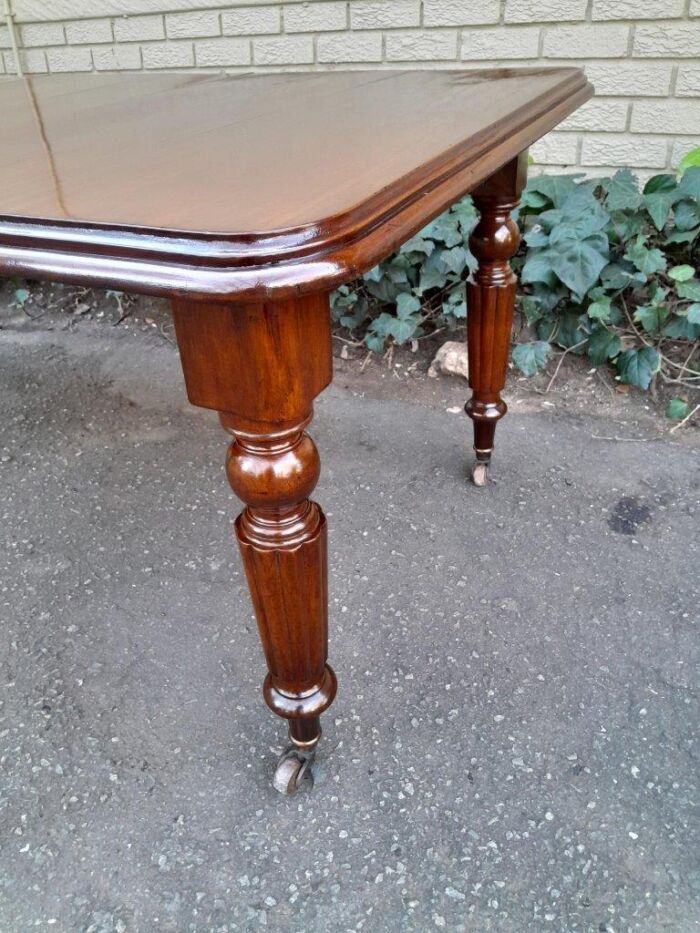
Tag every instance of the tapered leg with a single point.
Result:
(490, 304)
(260, 366)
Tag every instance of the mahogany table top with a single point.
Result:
(244, 185)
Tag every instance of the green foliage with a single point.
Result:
(608, 269)
(690, 159)
(20, 297)
(531, 357)
(418, 289)
(677, 409)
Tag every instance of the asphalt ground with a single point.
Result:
(514, 743)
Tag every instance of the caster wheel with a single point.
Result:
(480, 473)
(293, 772)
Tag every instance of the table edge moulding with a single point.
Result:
(282, 262)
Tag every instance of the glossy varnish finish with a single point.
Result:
(244, 199)
(491, 302)
(233, 185)
(261, 366)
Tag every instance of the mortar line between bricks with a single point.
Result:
(674, 81)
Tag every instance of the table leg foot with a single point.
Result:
(480, 470)
(294, 770)
(491, 301)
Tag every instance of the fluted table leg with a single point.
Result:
(260, 366)
(490, 304)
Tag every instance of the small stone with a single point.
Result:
(454, 894)
(451, 359)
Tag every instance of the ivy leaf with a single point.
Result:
(680, 328)
(602, 345)
(555, 187)
(689, 185)
(600, 309)
(374, 342)
(533, 201)
(660, 194)
(636, 367)
(652, 317)
(417, 244)
(617, 277)
(578, 263)
(689, 289)
(622, 191)
(531, 357)
(683, 236)
(465, 214)
(455, 304)
(397, 269)
(444, 228)
(677, 409)
(549, 296)
(430, 278)
(536, 237)
(660, 183)
(433, 272)
(693, 314)
(646, 260)
(406, 305)
(686, 215)
(681, 273)
(384, 290)
(582, 204)
(571, 330)
(659, 206)
(626, 225)
(382, 324)
(657, 293)
(531, 308)
(689, 159)
(402, 329)
(455, 259)
(538, 268)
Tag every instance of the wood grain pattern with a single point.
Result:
(249, 186)
(491, 300)
(261, 366)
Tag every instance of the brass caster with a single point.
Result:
(480, 473)
(294, 771)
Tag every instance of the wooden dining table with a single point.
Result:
(246, 199)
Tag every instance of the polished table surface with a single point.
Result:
(245, 199)
(234, 172)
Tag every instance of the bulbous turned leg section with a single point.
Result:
(282, 539)
(490, 303)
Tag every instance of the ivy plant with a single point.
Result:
(608, 268)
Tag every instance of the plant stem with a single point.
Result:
(687, 418)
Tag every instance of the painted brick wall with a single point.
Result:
(642, 55)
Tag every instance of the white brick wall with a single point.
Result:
(642, 55)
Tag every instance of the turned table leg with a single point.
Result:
(261, 366)
(490, 304)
